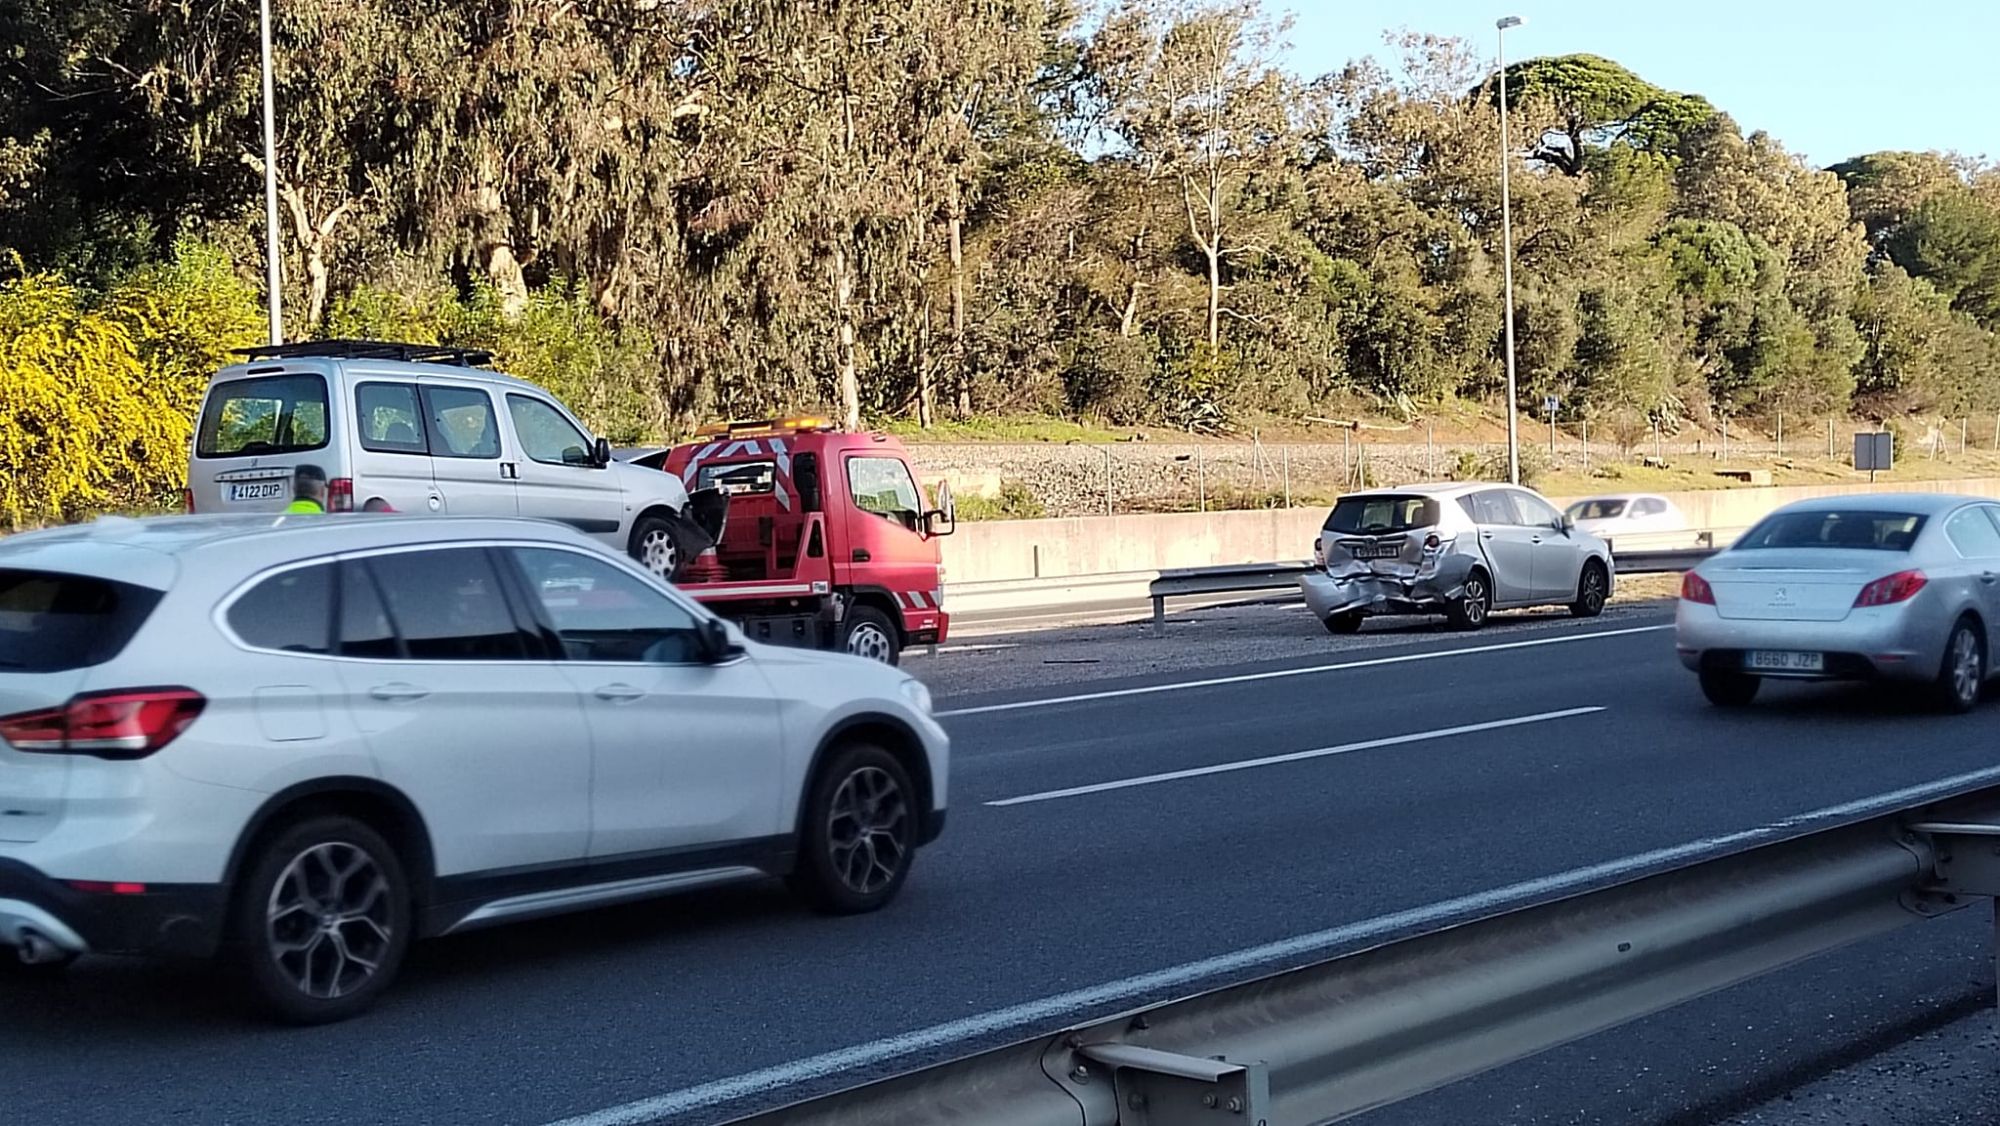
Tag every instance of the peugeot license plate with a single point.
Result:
(1781, 660)
(257, 490)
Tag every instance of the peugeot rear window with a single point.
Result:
(1381, 515)
(264, 415)
(1854, 529)
(52, 622)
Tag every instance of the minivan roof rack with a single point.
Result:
(370, 350)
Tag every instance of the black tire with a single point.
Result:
(664, 545)
(1592, 589)
(1344, 623)
(1474, 604)
(1729, 689)
(1962, 673)
(869, 633)
(349, 906)
(858, 832)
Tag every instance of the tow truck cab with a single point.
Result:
(829, 541)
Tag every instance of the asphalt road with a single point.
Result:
(1113, 841)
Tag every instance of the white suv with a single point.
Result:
(420, 429)
(306, 740)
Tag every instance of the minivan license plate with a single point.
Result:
(1768, 660)
(257, 490)
(1377, 551)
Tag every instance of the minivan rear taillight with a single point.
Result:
(124, 724)
(340, 494)
(187, 501)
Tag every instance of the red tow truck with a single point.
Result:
(828, 543)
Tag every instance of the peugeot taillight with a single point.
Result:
(123, 724)
(1694, 588)
(340, 494)
(1899, 587)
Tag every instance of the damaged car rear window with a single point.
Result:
(1381, 515)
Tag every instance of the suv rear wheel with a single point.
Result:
(322, 920)
(858, 834)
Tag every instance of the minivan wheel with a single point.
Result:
(1348, 621)
(1590, 592)
(1472, 606)
(663, 545)
(322, 920)
(869, 633)
(1729, 689)
(858, 834)
(1963, 672)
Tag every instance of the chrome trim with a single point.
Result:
(17, 916)
(596, 895)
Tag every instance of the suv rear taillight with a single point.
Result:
(124, 724)
(187, 501)
(1694, 588)
(340, 494)
(1899, 587)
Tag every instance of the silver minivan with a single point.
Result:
(416, 428)
(1461, 550)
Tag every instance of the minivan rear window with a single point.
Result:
(52, 622)
(263, 415)
(1854, 529)
(1381, 515)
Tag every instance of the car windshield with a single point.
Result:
(1381, 515)
(1860, 529)
(1597, 509)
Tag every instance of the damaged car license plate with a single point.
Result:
(1377, 551)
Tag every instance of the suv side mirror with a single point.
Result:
(718, 644)
(943, 520)
(600, 453)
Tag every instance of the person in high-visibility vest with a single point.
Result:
(308, 490)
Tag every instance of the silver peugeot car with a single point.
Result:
(1462, 550)
(1878, 587)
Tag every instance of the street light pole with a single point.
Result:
(1507, 257)
(274, 267)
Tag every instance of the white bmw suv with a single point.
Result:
(303, 741)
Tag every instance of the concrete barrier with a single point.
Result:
(997, 551)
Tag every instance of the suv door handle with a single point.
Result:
(1486, 535)
(399, 692)
(620, 693)
(1536, 538)
(1987, 578)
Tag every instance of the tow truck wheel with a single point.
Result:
(662, 545)
(869, 633)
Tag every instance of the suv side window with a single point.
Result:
(365, 629)
(462, 420)
(290, 612)
(1531, 511)
(546, 436)
(447, 605)
(389, 418)
(1973, 534)
(604, 614)
(883, 486)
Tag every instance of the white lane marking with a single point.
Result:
(1295, 756)
(1050, 1013)
(1245, 678)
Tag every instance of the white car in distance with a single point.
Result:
(1627, 514)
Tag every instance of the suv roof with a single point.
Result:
(184, 535)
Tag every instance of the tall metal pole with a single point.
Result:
(1507, 256)
(274, 266)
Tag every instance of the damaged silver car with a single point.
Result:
(1461, 550)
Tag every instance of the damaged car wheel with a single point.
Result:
(1343, 623)
(1474, 603)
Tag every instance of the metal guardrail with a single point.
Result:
(1374, 1027)
(1251, 578)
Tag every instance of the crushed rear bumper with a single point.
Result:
(1367, 592)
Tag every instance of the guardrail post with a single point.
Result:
(1159, 615)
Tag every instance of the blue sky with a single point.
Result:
(1831, 79)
